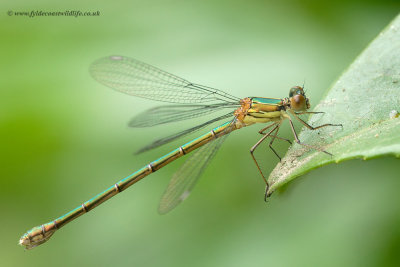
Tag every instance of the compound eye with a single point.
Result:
(292, 91)
(296, 90)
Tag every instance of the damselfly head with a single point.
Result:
(298, 99)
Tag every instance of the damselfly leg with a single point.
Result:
(308, 112)
(272, 133)
(275, 126)
(274, 136)
(296, 138)
(308, 125)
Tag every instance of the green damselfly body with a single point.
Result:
(136, 78)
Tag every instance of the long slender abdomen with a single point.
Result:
(40, 234)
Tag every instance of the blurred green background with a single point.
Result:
(64, 137)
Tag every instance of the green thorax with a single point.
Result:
(270, 101)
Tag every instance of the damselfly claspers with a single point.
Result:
(136, 78)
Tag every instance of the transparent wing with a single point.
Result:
(173, 113)
(185, 178)
(136, 78)
(170, 138)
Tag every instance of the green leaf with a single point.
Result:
(366, 101)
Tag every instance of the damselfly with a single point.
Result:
(135, 78)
